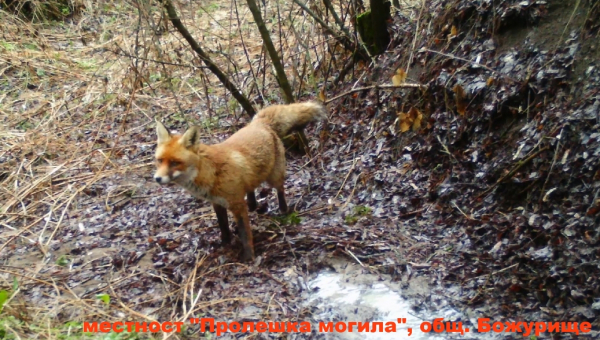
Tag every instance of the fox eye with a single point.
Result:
(159, 160)
(175, 163)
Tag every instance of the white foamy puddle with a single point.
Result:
(351, 300)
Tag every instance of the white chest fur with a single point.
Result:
(203, 193)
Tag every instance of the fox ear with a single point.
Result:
(162, 133)
(190, 137)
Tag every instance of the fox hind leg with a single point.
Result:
(251, 200)
(277, 183)
(277, 176)
(281, 199)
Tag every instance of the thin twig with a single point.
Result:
(512, 172)
(342, 39)
(551, 168)
(467, 61)
(354, 256)
(380, 87)
(346, 178)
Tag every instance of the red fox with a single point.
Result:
(226, 172)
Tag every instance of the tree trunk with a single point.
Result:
(372, 26)
(380, 14)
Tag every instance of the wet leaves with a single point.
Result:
(533, 225)
(461, 101)
(411, 120)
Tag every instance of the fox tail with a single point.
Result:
(284, 119)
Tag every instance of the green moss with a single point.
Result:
(365, 29)
(372, 27)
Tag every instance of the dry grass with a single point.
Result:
(77, 102)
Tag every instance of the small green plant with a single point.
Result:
(289, 219)
(4, 296)
(350, 219)
(178, 116)
(106, 36)
(357, 212)
(65, 10)
(62, 261)
(233, 104)
(155, 77)
(104, 298)
(8, 46)
(24, 125)
(8, 322)
(213, 7)
(87, 64)
(361, 210)
(210, 123)
(71, 330)
(31, 46)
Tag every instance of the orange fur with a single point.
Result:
(226, 172)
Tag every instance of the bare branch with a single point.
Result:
(244, 102)
(380, 87)
(346, 41)
(335, 16)
(266, 37)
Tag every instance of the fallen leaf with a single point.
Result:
(453, 31)
(593, 211)
(399, 77)
(417, 118)
(404, 124)
(461, 105)
(411, 119)
(322, 96)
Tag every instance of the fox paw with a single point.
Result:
(263, 208)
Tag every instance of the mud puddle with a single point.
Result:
(349, 293)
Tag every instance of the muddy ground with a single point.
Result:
(490, 207)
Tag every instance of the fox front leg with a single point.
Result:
(243, 226)
(223, 223)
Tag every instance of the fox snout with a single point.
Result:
(161, 179)
(164, 178)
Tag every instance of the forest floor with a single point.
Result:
(488, 204)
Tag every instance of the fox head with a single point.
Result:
(175, 159)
